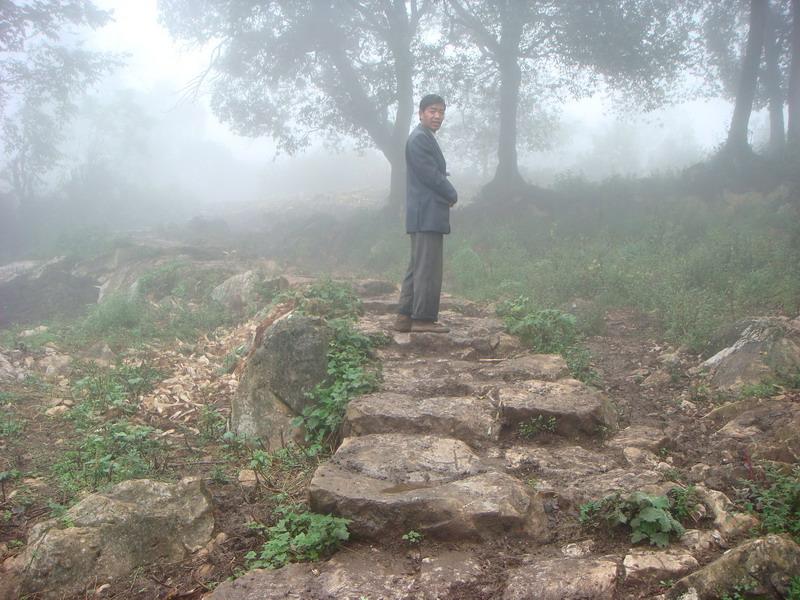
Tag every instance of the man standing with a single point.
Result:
(429, 196)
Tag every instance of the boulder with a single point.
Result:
(766, 348)
(289, 363)
(639, 436)
(765, 565)
(108, 535)
(578, 409)
(545, 367)
(563, 579)
(239, 290)
(644, 566)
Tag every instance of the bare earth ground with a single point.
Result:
(625, 355)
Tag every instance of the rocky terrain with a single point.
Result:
(463, 475)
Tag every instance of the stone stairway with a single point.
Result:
(439, 450)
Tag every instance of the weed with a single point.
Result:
(299, 537)
(413, 537)
(648, 517)
(211, 423)
(326, 298)
(232, 359)
(536, 425)
(777, 501)
(794, 588)
(9, 426)
(100, 389)
(348, 376)
(7, 476)
(759, 390)
(683, 502)
(114, 452)
(674, 474)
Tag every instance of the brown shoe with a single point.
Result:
(420, 326)
(402, 323)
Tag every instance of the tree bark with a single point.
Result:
(772, 83)
(794, 81)
(507, 178)
(737, 134)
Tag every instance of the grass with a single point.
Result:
(776, 501)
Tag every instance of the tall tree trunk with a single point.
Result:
(401, 36)
(507, 178)
(794, 81)
(772, 82)
(737, 134)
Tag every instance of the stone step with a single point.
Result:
(387, 304)
(422, 378)
(578, 410)
(388, 484)
(470, 419)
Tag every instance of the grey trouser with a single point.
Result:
(422, 285)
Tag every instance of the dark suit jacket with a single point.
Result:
(429, 195)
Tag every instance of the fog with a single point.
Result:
(185, 120)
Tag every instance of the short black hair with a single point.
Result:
(429, 100)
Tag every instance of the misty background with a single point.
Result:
(148, 126)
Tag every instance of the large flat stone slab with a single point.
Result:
(556, 464)
(639, 436)
(426, 378)
(470, 419)
(478, 507)
(578, 409)
(395, 458)
(545, 367)
(389, 484)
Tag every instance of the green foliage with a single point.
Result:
(180, 280)
(113, 452)
(648, 517)
(759, 390)
(777, 501)
(413, 537)
(99, 389)
(548, 331)
(327, 298)
(211, 423)
(682, 502)
(9, 425)
(299, 537)
(536, 425)
(348, 376)
(794, 588)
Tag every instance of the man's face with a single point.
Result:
(432, 116)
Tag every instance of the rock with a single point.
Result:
(701, 542)
(688, 407)
(469, 419)
(32, 332)
(370, 288)
(643, 566)
(639, 436)
(728, 523)
(544, 367)
(388, 484)
(578, 549)
(443, 575)
(563, 579)
(577, 408)
(657, 378)
(346, 576)
(596, 487)
(7, 371)
(765, 564)
(770, 426)
(564, 462)
(136, 523)
(247, 478)
(636, 457)
(289, 363)
(101, 354)
(766, 348)
(699, 472)
(56, 411)
(55, 365)
(237, 291)
(427, 378)
(33, 291)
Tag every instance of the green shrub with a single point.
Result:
(648, 517)
(299, 537)
(114, 452)
(327, 298)
(536, 425)
(777, 501)
(348, 376)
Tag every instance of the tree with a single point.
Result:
(527, 42)
(295, 69)
(40, 76)
(793, 135)
(737, 134)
